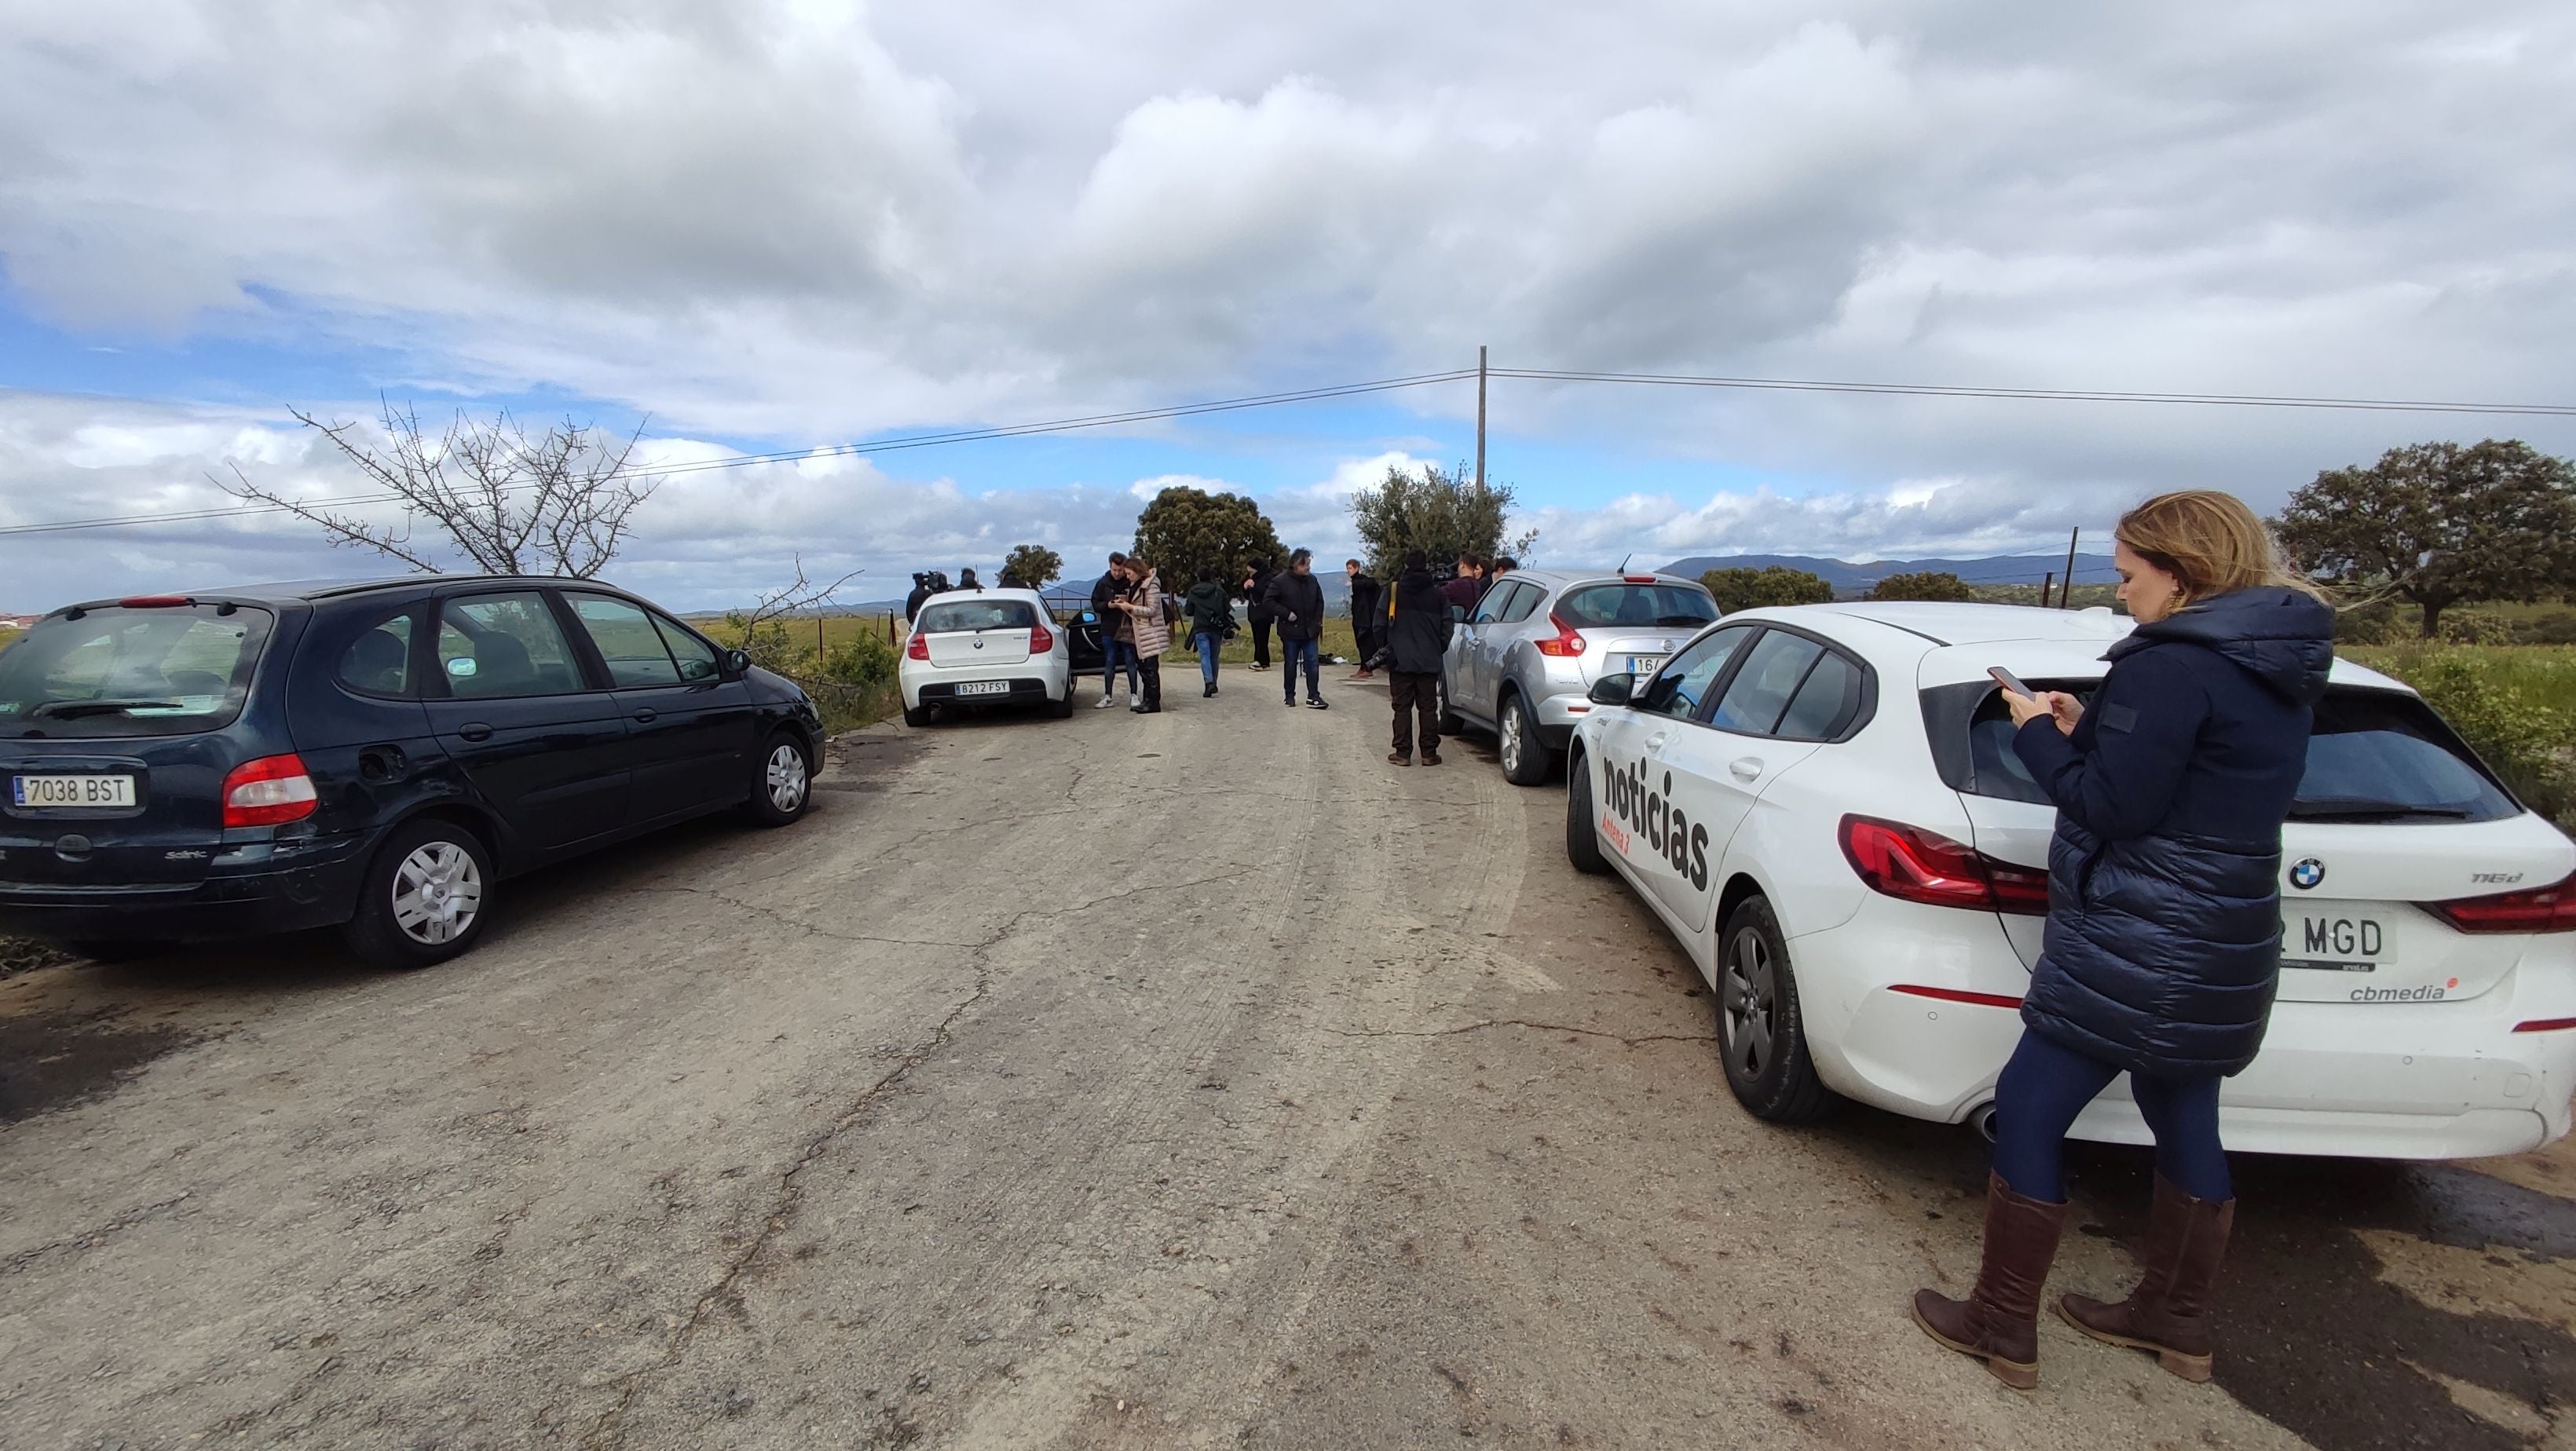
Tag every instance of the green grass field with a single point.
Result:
(2544, 675)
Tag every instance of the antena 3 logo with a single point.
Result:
(1645, 805)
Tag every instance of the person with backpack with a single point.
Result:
(1417, 637)
(1211, 616)
(1256, 612)
(1297, 602)
(1149, 612)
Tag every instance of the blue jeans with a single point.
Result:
(1114, 654)
(1293, 651)
(2046, 1085)
(1207, 646)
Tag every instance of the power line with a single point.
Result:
(741, 460)
(2059, 395)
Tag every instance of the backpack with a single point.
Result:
(1171, 608)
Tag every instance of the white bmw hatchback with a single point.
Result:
(984, 647)
(1822, 804)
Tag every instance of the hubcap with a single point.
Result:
(786, 778)
(1751, 1004)
(438, 890)
(1512, 736)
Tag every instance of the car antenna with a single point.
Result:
(1623, 560)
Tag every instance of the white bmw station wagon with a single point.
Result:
(1822, 804)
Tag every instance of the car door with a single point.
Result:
(1663, 809)
(688, 729)
(1484, 634)
(512, 705)
(1763, 722)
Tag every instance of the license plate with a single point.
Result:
(1645, 664)
(2322, 942)
(72, 793)
(985, 687)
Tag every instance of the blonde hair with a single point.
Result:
(2210, 542)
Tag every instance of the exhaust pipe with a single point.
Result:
(1982, 1119)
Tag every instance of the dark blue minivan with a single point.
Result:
(373, 756)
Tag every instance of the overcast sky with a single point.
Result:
(768, 226)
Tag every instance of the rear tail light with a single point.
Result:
(2541, 909)
(1922, 866)
(1637, 578)
(1041, 639)
(1565, 643)
(151, 602)
(916, 648)
(268, 791)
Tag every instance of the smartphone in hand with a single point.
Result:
(2010, 681)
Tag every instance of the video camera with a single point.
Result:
(933, 580)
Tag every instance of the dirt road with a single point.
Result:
(1192, 1080)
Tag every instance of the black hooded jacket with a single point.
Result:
(2163, 945)
(1301, 595)
(1419, 634)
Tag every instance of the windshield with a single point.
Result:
(1645, 606)
(165, 671)
(2373, 755)
(954, 615)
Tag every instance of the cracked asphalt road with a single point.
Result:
(1191, 1080)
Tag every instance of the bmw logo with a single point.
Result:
(2306, 873)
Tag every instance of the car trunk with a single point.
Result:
(170, 834)
(979, 647)
(2393, 814)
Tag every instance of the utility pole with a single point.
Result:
(1480, 417)
(2066, 591)
(2047, 588)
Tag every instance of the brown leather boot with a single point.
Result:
(1999, 1321)
(2169, 1311)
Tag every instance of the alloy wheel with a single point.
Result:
(438, 892)
(785, 777)
(1751, 1004)
(1511, 741)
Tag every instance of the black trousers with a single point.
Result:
(1417, 691)
(1151, 666)
(1261, 643)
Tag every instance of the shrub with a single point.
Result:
(1928, 585)
(1773, 584)
(2525, 740)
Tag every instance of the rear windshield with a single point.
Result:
(1647, 606)
(941, 619)
(2374, 755)
(140, 672)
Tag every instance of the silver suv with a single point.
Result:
(1524, 661)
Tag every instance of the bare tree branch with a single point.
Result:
(561, 502)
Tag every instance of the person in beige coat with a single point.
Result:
(1144, 605)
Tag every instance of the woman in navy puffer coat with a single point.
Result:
(2163, 941)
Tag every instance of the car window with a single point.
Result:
(1645, 606)
(950, 616)
(1490, 608)
(696, 658)
(1760, 691)
(379, 661)
(1679, 687)
(157, 671)
(498, 645)
(1524, 600)
(1825, 703)
(628, 643)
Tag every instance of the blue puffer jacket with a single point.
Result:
(2164, 916)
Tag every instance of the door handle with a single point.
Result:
(1745, 768)
(1656, 741)
(474, 731)
(645, 716)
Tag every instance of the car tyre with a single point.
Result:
(1062, 709)
(916, 716)
(1761, 1034)
(426, 897)
(782, 782)
(1582, 835)
(1526, 758)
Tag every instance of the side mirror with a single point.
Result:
(737, 662)
(1613, 689)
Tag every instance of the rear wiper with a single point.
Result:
(2363, 808)
(72, 709)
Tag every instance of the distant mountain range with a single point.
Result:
(1849, 578)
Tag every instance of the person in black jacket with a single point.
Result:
(1297, 603)
(1256, 612)
(921, 590)
(1417, 637)
(2162, 948)
(1106, 592)
(1368, 617)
